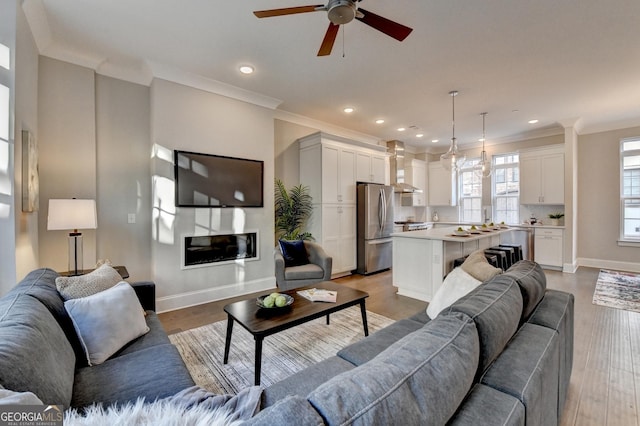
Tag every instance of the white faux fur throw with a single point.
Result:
(158, 413)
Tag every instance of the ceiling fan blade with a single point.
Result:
(390, 28)
(288, 11)
(329, 39)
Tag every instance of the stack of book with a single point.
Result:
(319, 295)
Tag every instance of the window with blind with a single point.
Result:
(506, 188)
(470, 193)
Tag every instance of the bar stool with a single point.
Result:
(501, 258)
(491, 258)
(509, 251)
(517, 248)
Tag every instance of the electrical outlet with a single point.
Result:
(131, 218)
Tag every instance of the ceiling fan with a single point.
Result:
(342, 12)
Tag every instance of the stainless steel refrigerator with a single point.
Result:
(375, 225)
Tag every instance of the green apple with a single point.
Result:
(268, 302)
(281, 301)
(274, 295)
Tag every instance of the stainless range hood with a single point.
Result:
(397, 168)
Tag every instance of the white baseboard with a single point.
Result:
(570, 268)
(609, 264)
(413, 294)
(193, 298)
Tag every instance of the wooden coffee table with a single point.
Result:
(263, 322)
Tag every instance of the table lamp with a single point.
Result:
(73, 214)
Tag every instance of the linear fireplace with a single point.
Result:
(205, 250)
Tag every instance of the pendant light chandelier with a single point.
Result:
(484, 168)
(453, 160)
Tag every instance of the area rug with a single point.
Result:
(283, 353)
(620, 290)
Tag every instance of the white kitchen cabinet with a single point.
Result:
(337, 178)
(415, 173)
(371, 167)
(542, 176)
(548, 245)
(339, 236)
(379, 169)
(442, 186)
(330, 166)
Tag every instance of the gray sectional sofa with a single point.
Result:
(502, 354)
(40, 351)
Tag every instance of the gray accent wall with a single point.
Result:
(26, 225)
(123, 174)
(194, 120)
(67, 152)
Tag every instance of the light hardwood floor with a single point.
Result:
(605, 383)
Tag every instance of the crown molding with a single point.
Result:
(140, 72)
(38, 23)
(326, 127)
(610, 125)
(196, 81)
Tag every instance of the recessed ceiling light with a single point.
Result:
(247, 69)
(401, 129)
(348, 110)
(419, 135)
(481, 140)
(533, 121)
(435, 140)
(379, 121)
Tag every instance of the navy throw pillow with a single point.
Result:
(293, 252)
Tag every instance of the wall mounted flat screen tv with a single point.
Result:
(206, 180)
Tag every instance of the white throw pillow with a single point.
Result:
(107, 321)
(101, 279)
(455, 285)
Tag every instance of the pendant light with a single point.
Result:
(453, 160)
(484, 168)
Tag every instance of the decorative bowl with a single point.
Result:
(260, 299)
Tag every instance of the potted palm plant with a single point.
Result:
(293, 209)
(555, 218)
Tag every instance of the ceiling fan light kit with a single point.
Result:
(452, 160)
(341, 12)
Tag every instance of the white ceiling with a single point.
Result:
(562, 62)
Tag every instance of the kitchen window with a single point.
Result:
(506, 188)
(470, 193)
(630, 192)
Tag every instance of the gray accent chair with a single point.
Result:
(318, 269)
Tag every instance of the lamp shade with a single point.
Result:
(72, 214)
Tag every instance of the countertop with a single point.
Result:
(520, 225)
(446, 234)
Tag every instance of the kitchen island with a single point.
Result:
(421, 259)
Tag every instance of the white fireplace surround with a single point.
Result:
(203, 240)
